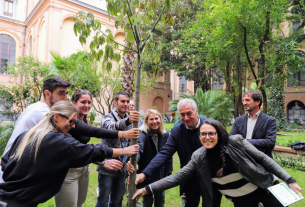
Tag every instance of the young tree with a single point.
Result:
(138, 28)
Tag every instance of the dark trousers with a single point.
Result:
(193, 196)
(259, 196)
(157, 199)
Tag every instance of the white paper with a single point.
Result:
(284, 194)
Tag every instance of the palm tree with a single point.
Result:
(215, 104)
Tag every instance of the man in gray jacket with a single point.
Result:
(111, 177)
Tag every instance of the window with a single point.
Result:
(30, 46)
(182, 84)
(295, 26)
(298, 77)
(8, 8)
(7, 51)
(217, 79)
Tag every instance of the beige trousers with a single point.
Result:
(73, 191)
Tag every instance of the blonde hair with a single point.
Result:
(35, 135)
(145, 128)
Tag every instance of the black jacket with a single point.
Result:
(254, 166)
(29, 182)
(148, 150)
(264, 132)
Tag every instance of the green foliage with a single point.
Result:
(213, 104)
(25, 86)
(281, 70)
(92, 114)
(5, 134)
(294, 164)
(84, 72)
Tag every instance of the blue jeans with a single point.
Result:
(111, 190)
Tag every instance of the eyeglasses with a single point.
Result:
(62, 93)
(71, 121)
(204, 134)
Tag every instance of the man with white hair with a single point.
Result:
(184, 139)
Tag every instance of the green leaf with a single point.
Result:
(168, 4)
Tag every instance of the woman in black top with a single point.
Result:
(74, 190)
(38, 161)
(228, 166)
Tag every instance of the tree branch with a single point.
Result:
(133, 27)
(153, 27)
(114, 40)
(246, 51)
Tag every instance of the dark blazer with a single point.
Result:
(148, 150)
(254, 166)
(184, 142)
(264, 132)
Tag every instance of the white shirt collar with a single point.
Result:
(196, 126)
(256, 114)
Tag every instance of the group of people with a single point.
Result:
(48, 154)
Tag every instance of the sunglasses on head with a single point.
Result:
(81, 90)
(71, 121)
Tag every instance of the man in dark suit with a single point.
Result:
(258, 128)
(184, 139)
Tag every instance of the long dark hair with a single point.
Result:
(76, 96)
(223, 138)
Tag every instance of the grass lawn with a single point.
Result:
(172, 198)
(289, 137)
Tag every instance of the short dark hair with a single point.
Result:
(255, 95)
(223, 135)
(123, 93)
(53, 83)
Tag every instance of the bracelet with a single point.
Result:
(123, 152)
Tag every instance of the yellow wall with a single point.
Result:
(42, 41)
(69, 42)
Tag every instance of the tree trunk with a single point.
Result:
(239, 105)
(132, 177)
(128, 74)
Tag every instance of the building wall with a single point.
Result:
(158, 97)
(47, 26)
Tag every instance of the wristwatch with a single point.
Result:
(103, 163)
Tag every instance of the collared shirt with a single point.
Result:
(196, 126)
(251, 123)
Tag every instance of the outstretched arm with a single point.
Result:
(171, 181)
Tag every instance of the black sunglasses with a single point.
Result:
(71, 121)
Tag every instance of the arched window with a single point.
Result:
(7, 50)
(30, 46)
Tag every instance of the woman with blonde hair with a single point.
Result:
(152, 138)
(38, 161)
